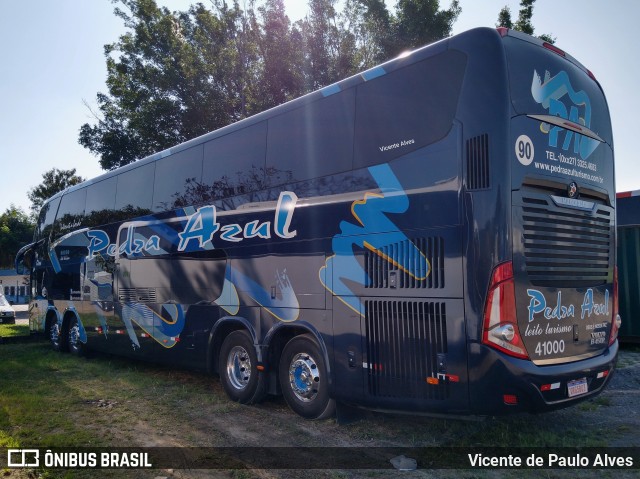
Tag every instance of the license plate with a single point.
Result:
(577, 387)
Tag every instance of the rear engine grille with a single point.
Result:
(566, 247)
(381, 266)
(403, 341)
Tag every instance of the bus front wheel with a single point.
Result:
(304, 379)
(238, 364)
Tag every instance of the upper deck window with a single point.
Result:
(407, 109)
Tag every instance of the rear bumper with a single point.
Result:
(497, 375)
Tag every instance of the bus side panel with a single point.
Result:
(415, 355)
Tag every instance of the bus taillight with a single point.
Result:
(616, 320)
(554, 49)
(500, 325)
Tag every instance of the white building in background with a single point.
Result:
(14, 286)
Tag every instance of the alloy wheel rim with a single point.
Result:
(239, 367)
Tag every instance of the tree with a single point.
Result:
(381, 35)
(16, 230)
(420, 22)
(172, 77)
(279, 77)
(523, 24)
(504, 18)
(369, 22)
(53, 181)
(177, 75)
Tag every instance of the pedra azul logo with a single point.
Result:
(559, 98)
(200, 230)
(538, 306)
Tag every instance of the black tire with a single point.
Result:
(76, 347)
(304, 379)
(55, 335)
(238, 368)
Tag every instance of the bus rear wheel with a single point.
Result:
(55, 335)
(75, 345)
(238, 364)
(304, 379)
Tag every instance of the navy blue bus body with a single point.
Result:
(404, 238)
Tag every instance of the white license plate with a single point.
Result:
(577, 387)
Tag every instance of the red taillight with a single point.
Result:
(554, 49)
(616, 321)
(503, 31)
(500, 325)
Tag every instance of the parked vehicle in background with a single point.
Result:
(7, 313)
(628, 217)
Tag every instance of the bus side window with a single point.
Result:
(174, 176)
(101, 199)
(134, 193)
(70, 215)
(313, 141)
(407, 109)
(234, 164)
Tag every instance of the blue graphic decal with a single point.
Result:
(285, 308)
(550, 93)
(104, 327)
(55, 263)
(82, 333)
(375, 230)
(193, 230)
(229, 300)
(165, 329)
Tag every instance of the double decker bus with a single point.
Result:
(435, 234)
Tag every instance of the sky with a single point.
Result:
(52, 65)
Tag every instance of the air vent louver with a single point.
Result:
(566, 247)
(382, 265)
(403, 342)
(478, 162)
(137, 295)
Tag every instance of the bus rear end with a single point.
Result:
(551, 316)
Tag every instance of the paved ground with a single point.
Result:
(22, 313)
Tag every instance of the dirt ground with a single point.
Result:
(612, 419)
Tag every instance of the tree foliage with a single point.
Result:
(177, 75)
(16, 230)
(53, 181)
(523, 23)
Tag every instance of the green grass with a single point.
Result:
(52, 400)
(12, 330)
(49, 399)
